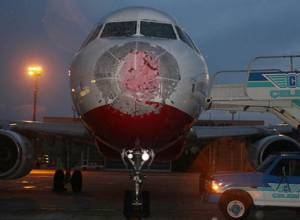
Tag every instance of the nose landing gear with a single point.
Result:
(137, 202)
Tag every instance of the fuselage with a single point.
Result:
(135, 82)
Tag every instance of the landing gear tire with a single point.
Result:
(146, 203)
(59, 181)
(76, 181)
(235, 205)
(136, 211)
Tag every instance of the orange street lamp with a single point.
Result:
(35, 71)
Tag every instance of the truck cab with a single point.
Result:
(275, 184)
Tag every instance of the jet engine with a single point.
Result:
(273, 144)
(16, 155)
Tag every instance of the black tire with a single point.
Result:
(235, 204)
(76, 181)
(146, 204)
(138, 212)
(127, 204)
(59, 181)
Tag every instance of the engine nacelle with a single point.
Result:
(16, 155)
(261, 149)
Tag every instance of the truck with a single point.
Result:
(276, 183)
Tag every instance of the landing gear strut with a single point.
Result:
(137, 202)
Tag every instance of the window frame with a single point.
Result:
(266, 164)
(186, 35)
(104, 25)
(292, 171)
(287, 162)
(278, 167)
(90, 38)
(152, 21)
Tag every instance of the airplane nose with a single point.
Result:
(132, 74)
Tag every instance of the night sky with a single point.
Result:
(48, 32)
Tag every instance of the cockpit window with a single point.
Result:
(185, 38)
(92, 36)
(161, 30)
(119, 29)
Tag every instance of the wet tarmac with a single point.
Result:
(173, 196)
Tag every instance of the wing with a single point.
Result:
(207, 132)
(74, 131)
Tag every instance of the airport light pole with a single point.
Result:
(35, 72)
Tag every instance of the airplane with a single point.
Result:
(139, 84)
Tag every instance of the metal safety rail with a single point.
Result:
(289, 58)
(234, 97)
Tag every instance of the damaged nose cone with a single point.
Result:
(136, 77)
(139, 76)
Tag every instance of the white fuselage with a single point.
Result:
(139, 89)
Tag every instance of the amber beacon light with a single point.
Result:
(35, 72)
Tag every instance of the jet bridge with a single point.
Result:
(274, 88)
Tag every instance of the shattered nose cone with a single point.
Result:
(136, 77)
(139, 76)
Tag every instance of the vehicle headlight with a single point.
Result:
(213, 186)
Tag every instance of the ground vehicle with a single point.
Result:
(275, 184)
